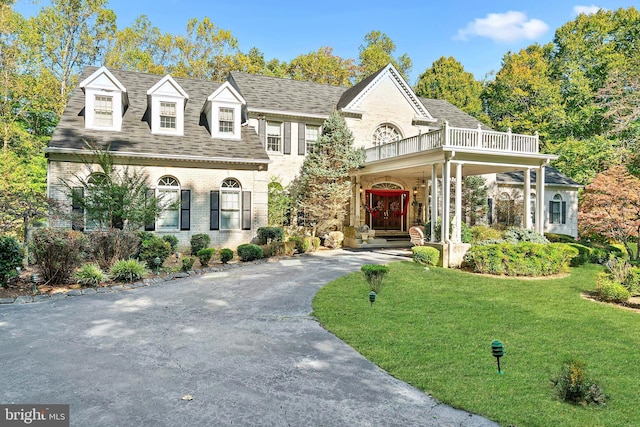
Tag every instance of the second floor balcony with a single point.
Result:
(482, 141)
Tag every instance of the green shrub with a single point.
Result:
(187, 263)
(289, 248)
(523, 259)
(425, 255)
(574, 385)
(514, 235)
(205, 255)
(482, 232)
(559, 238)
(269, 234)
(58, 253)
(90, 275)
(128, 270)
(375, 275)
(199, 241)
(108, 246)
(273, 248)
(153, 248)
(632, 281)
(226, 255)
(601, 253)
(466, 235)
(10, 258)
(584, 254)
(249, 252)
(299, 242)
(315, 242)
(172, 240)
(611, 291)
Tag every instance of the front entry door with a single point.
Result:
(387, 212)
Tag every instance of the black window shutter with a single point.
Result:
(550, 212)
(150, 226)
(287, 137)
(302, 145)
(564, 212)
(185, 210)
(490, 210)
(77, 212)
(262, 131)
(214, 211)
(246, 210)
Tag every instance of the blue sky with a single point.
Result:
(476, 33)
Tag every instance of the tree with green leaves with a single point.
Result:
(114, 196)
(377, 51)
(447, 79)
(279, 204)
(583, 159)
(323, 188)
(474, 199)
(322, 66)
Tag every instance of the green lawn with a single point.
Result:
(433, 329)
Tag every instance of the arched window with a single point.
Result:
(557, 210)
(532, 207)
(169, 193)
(230, 204)
(386, 133)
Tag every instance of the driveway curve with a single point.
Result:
(241, 343)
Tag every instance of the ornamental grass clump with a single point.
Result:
(128, 270)
(375, 275)
(90, 275)
(574, 385)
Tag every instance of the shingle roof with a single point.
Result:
(351, 93)
(552, 176)
(136, 137)
(285, 95)
(443, 110)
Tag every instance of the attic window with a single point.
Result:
(225, 120)
(386, 133)
(168, 115)
(103, 111)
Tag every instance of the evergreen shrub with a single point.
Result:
(199, 241)
(514, 235)
(226, 255)
(374, 274)
(108, 246)
(205, 255)
(153, 248)
(172, 240)
(249, 252)
(574, 385)
(10, 258)
(425, 255)
(268, 234)
(58, 252)
(187, 263)
(584, 254)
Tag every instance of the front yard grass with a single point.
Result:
(433, 329)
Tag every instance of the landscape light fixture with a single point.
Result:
(372, 297)
(497, 349)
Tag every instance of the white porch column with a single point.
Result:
(356, 221)
(457, 237)
(434, 201)
(446, 200)
(540, 204)
(527, 199)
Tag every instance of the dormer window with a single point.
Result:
(105, 101)
(167, 101)
(223, 110)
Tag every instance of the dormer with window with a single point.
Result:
(167, 101)
(105, 101)
(223, 110)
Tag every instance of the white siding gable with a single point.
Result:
(224, 112)
(105, 101)
(166, 102)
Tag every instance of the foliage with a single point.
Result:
(127, 270)
(279, 204)
(314, 242)
(583, 159)
(108, 246)
(90, 275)
(466, 236)
(610, 206)
(322, 66)
(584, 254)
(267, 234)
(623, 273)
(226, 255)
(474, 199)
(574, 385)
(187, 262)
(152, 249)
(58, 253)
(10, 258)
(249, 252)
(611, 291)
(323, 188)
(290, 247)
(559, 238)
(425, 255)
(301, 244)
(115, 196)
(522, 259)
(205, 255)
(376, 52)
(172, 240)
(273, 248)
(514, 235)
(447, 79)
(199, 241)
(375, 275)
(483, 232)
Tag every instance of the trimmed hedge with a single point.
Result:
(226, 255)
(584, 254)
(205, 255)
(425, 255)
(522, 259)
(269, 234)
(249, 252)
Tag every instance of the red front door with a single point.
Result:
(387, 212)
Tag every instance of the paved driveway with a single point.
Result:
(241, 342)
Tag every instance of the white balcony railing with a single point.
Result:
(474, 139)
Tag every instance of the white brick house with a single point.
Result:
(216, 145)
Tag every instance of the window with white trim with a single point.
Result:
(103, 111)
(168, 113)
(311, 133)
(386, 133)
(274, 137)
(168, 191)
(230, 205)
(225, 120)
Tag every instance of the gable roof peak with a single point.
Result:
(172, 82)
(99, 72)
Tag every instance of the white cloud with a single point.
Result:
(504, 27)
(587, 10)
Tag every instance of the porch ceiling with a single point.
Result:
(415, 166)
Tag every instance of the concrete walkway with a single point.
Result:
(240, 342)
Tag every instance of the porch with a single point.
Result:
(425, 173)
